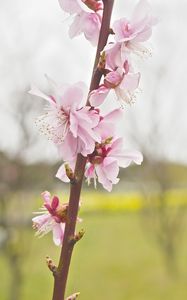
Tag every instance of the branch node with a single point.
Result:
(70, 174)
(51, 265)
(102, 62)
(73, 297)
(111, 31)
(77, 237)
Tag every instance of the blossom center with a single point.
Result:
(127, 30)
(61, 213)
(54, 124)
(101, 151)
(112, 80)
(93, 4)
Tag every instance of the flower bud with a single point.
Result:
(69, 173)
(94, 5)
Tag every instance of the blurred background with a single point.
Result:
(135, 245)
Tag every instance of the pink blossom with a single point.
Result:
(123, 83)
(87, 18)
(130, 36)
(52, 218)
(103, 164)
(133, 32)
(105, 126)
(87, 23)
(139, 28)
(67, 121)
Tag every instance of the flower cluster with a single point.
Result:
(72, 119)
(103, 164)
(117, 57)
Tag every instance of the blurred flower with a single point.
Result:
(132, 33)
(87, 19)
(67, 121)
(129, 36)
(87, 23)
(139, 28)
(53, 218)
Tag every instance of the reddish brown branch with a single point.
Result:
(60, 276)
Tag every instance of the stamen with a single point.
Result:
(54, 124)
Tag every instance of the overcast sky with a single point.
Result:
(34, 41)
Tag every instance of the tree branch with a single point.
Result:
(60, 276)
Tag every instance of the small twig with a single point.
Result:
(51, 265)
(77, 237)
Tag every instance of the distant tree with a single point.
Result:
(156, 180)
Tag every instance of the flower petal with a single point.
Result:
(46, 197)
(97, 97)
(68, 149)
(107, 184)
(73, 96)
(58, 233)
(36, 92)
(111, 169)
(61, 174)
(70, 6)
(55, 203)
(130, 81)
(125, 158)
